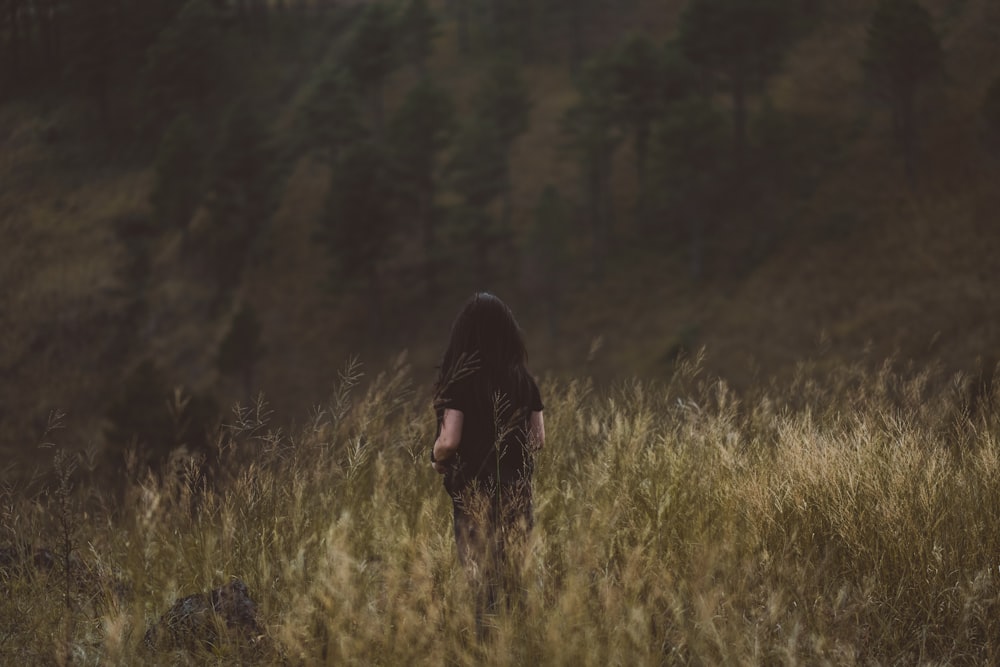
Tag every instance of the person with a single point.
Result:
(490, 425)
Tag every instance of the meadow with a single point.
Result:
(847, 516)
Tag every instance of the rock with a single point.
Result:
(197, 619)
(16, 560)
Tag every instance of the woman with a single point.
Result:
(489, 427)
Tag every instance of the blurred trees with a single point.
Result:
(178, 174)
(241, 348)
(502, 101)
(420, 133)
(370, 55)
(241, 197)
(902, 53)
(991, 117)
(591, 135)
(97, 51)
(476, 172)
(185, 62)
(549, 254)
(418, 30)
(688, 150)
(637, 87)
(359, 219)
(332, 118)
(740, 43)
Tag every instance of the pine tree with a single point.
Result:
(186, 61)
(687, 159)
(420, 132)
(331, 119)
(637, 86)
(179, 174)
(359, 220)
(591, 134)
(902, 54)
(241, 194)
(139, 413)
(370, 55)
(502, 101)
(241, 348)
(549, 254)
(96, 51)
(476, 173)
(741, 43)
(991, 118)
(419, 29)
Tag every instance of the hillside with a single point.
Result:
(824, 253)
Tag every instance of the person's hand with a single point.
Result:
(439, 467)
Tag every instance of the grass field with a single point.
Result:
(845, 517)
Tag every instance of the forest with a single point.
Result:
(753, 246)
(206, 200)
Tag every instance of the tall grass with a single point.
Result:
(851, 517)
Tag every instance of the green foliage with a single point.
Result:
(360, 217)
(478, 164)
(420, 132)
(331, 119)
(991, 117)
(902, 54)
(371, 52)
(549, 251)
(242, 193)
(502, 99)
(688, 160)
(97, 49)
(418, 28)
(590, 127)
(679, 78)
(179, 174)
(511, 25)
(186, 62)
(592, 134)
(741, 43)
(241, 348)
(573, 20)
(902, 51)
(477, 173)
(737, 40)
(637, 73)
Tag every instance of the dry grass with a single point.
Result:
(846, 518)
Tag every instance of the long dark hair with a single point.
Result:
(485, 341)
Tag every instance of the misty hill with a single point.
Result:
(233, 199)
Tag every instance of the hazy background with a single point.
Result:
(200, 201)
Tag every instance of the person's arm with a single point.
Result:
(446, 445)
(536, 430)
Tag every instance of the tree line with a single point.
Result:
(177, 76)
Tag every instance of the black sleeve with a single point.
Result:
(457, 395)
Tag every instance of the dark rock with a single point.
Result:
(19, 560)
(198, 619)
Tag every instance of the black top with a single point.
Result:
(496, 416)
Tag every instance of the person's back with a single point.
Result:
(490, 424)
(495, 444)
